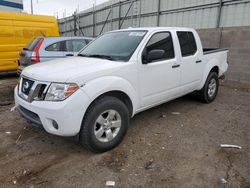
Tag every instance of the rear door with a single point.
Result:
(191, 64)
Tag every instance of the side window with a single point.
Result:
(187, 43)
(161, 41)
(56, 47)
(75, 45)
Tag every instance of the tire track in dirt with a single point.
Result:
(34, 173)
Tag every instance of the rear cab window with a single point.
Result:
(187, 43)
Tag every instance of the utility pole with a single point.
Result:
(31, 6)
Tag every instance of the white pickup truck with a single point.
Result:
(118, 75)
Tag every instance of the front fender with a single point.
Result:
(99, 86)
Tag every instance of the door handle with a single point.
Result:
(69, 54)
(198, 61)
(175, 66)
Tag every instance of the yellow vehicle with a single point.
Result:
(16, 30)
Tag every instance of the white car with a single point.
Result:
(118, 75)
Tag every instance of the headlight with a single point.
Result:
(59, 92)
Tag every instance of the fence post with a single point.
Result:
(111, 20)
(94, 24)
(119, 15)
(158, 13)
(140, 14)
(75, 29)
(219, 13)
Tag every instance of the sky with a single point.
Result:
(58, 7)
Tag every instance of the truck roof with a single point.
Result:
(157, 29)
(63, 37)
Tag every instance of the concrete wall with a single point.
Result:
(237, 40)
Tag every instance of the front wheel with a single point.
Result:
(209, 91)
(104, 125)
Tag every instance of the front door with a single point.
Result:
(159, 77)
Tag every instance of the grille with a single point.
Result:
(32, 90)
(41, 91)
(26, 86)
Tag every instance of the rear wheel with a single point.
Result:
(104, 125)
(209, 91)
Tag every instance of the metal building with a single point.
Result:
(116, 14)
(11, 5)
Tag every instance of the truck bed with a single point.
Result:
(212, 50)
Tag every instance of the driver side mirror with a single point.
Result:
(152, 56)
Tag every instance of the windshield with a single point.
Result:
(116, 46)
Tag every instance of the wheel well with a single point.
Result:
(215, 69)
(121, 96)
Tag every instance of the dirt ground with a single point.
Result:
(163, 148)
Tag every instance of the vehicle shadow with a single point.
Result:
(6, 75)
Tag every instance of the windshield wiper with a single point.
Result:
(97, 56)
(82, 55)
(102, 56)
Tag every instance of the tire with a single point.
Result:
(100, 121)
(209, 91)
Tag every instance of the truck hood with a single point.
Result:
(67, 69)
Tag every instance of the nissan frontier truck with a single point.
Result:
(118, 75)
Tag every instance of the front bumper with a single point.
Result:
(31, 117)
(67, 114)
